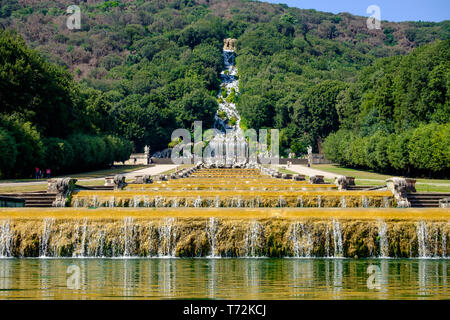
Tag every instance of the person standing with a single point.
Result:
(36, 173)
(48, 173)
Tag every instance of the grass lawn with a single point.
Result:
(358, 174)
(373, 178)
(88, 175)
(29, 188)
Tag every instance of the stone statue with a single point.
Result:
(63, 188)
(229, 44)
(119, 182)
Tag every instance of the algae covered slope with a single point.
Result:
(181, 232)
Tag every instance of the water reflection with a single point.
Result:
(224, 279)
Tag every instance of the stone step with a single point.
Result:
(38, 205)
(429, 194)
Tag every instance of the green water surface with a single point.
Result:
(224, 279)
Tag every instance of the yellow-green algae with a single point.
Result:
(235, 198)
(239, 232)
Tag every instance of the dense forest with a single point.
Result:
(396, 116)
(144, 68)
(47, 119)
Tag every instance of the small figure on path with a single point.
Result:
(36, 172)
(48, 173)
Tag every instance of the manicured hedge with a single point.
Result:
(23, 150)
(421, 151)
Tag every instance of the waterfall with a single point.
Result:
(217, 202)
(45, 237)
(384, 241)
(95, 201)
(158, 201)
(436, 241)
(319, 201)
(211, 231)
(84, 236)
(386, 202)
(343, 202)
(300, 201)
(444, 244)
(327, 241)
(337, 239)
(146, 202)
(167, 238)
(198, 202)
(99, 248)
(227, 119)
(302, 242)
(282, 202)
(6, 239)
(129, 237)
(112, 202)
(365, 202)
(253, 238)
(136, 202)
(422, 239)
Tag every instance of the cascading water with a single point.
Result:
(211, 231)
(422, 239)
(343, 202)
(167, 238)
(384, 241)
(45, 237)
(227, 120)
(6, 239)
(136, 202)
(198, 202)
(83, 230)
(444, 245)
(302, 243)
(194, 237)
(365, 202)
(129, 232)
(327, 242)
(112, 202)
(337, 239)
(253, 239)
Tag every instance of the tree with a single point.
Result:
(320, 102)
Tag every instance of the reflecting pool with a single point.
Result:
(224, 279)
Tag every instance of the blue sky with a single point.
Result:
(391, 10)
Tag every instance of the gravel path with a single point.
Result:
(310, 172)
(154, 170)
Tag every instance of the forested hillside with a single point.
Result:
(396, 116)
(47, 119)
(144, 68)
